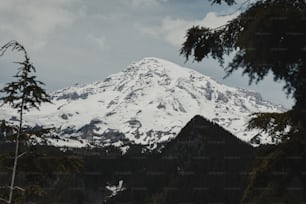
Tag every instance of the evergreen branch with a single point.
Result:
(229, 14)
(229, 2)
(14, 45)
(238, 9)
(277, 125)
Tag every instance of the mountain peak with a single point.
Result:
(154, 60)
(147, 103)
(157, 65)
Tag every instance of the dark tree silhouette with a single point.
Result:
(23, 94)
(267, 36)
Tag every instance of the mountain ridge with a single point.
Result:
(203, 164)
(147, 103)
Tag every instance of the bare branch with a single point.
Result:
(4, 200)
(21, 155)
(19, 188)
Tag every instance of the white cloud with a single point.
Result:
(173, 30)
(31, 21)
(145, 3)
(98, 40)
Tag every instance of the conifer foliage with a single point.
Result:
(23, 94)
(229, 2)
(268, 36)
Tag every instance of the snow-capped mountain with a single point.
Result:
(147, 103)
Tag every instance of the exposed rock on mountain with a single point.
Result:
(147, 103)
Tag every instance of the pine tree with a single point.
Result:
(267, 36)
(23, 94)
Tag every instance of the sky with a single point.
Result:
(83, 41)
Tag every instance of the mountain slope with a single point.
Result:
(147, 103)
(203, 164)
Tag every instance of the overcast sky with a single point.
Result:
(82, 41)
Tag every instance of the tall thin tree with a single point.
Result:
(23, 94)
